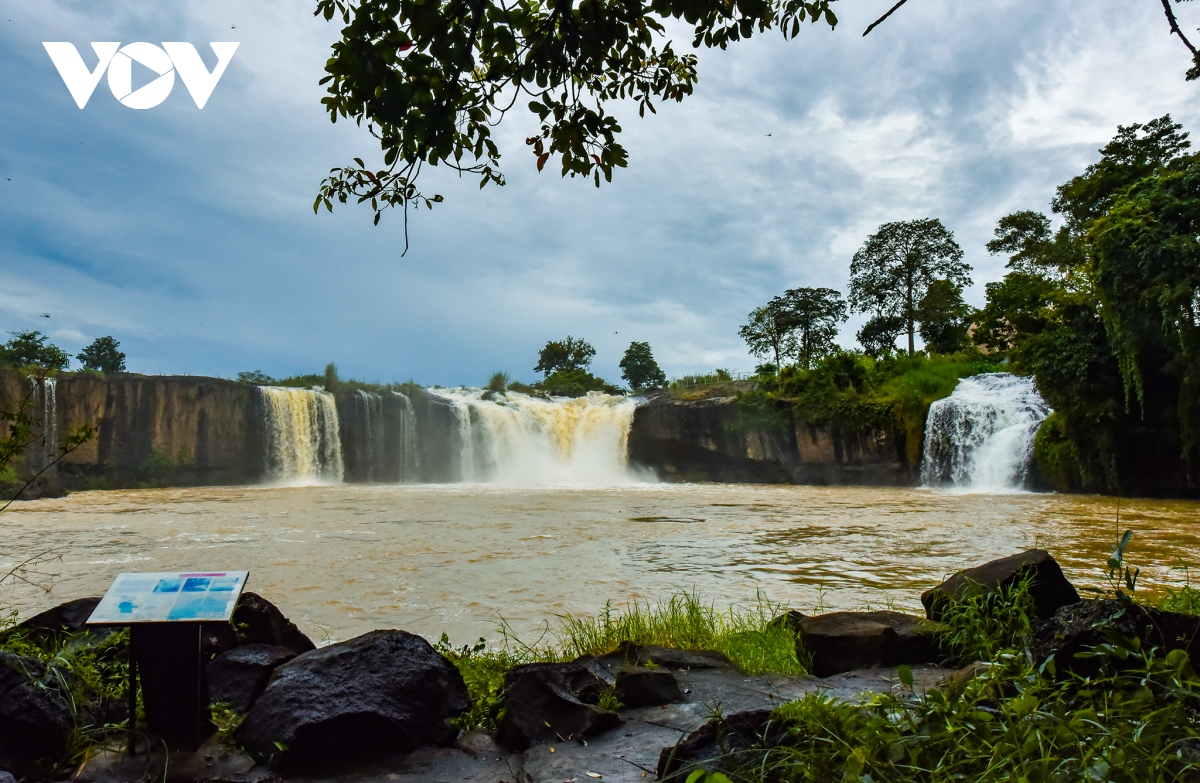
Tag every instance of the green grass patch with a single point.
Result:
(983, 625)
(483, 671)
(745, 634)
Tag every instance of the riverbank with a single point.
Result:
(657, 691)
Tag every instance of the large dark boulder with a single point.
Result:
(35, 721)
(1076, 628)
(69, 617)
(238, 677)
(1050, 589)
(547, 702)
(843, 641)
(382, 693)
(255, 621)
(715, 746)
(643, 686)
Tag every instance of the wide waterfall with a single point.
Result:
(303, 444)
(980, 438)
(513, 438)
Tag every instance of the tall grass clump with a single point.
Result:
(746, 635)
(483, 670)
(498, 382)
(982, 624)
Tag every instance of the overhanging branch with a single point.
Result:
(893, 10)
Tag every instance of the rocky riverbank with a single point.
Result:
(388, 705)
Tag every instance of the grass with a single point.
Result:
(983, 625)
(91, 678)
(745, 634)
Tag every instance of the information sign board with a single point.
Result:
(170, 597)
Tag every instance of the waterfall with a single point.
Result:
(980, 438)
(303, 444)
(408, 461)
(50, 445)
(513, 438)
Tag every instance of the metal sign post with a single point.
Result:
(165, 613)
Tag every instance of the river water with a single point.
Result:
(344, 559)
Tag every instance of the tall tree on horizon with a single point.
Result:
(770, 331)
(570, 353)
(639, 368)
(814, 315)
(892, 271)
(103, 355)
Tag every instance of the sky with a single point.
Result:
(189, 234)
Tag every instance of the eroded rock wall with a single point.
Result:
(152, 430)
(713, 440)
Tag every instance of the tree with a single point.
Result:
(639, 369)
(891, 272)
(944, 316)
(256, 377)
(878, 335)
(769, 332)
(431, 79)
(814, 315)
(102, 356)
(33, 348)
(564, 356)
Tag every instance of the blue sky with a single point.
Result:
(189, 235)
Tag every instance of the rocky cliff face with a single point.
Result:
(713, 440)
(161, 430)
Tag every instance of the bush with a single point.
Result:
(574, 383)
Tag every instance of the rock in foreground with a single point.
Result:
(34, 720)
(844, 641)
(382, 693)
(545, 702)
(237, 678)
(1050, 589)
(1080, 626)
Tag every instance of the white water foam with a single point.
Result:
(512, 438)
(980, 438)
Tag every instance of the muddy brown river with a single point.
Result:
(344, 559)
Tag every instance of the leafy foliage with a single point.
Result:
(892, 271)
(814, 315)
(944, 317)
(256, 377)
(769, 332)
(574, 383)
(102, 355)
(33, 349)
(483, 671)
(1103, 313)
(878, 335)
(431, 79)
(567, 355)
(639, 369)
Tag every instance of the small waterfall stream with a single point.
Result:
(517, 439)
(980, 438)
(303, 443)
(408, 459)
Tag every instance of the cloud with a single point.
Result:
(189, 234)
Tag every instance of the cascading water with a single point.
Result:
(980, 438)
(303, 443)
(408, 459)
(49, 389)
(517, 439)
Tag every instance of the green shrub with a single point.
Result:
(983, 624)
(574, 383)
(483, 671)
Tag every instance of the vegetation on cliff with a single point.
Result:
(1103, 313)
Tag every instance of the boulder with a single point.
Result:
(842, 641)
(714, 745)
(255, 621)
(238, 677)
(545, 702)
(1050, 589)
(70, 617)
(1076, 628)
(643, 686)
(35, 721)
(382, 693)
